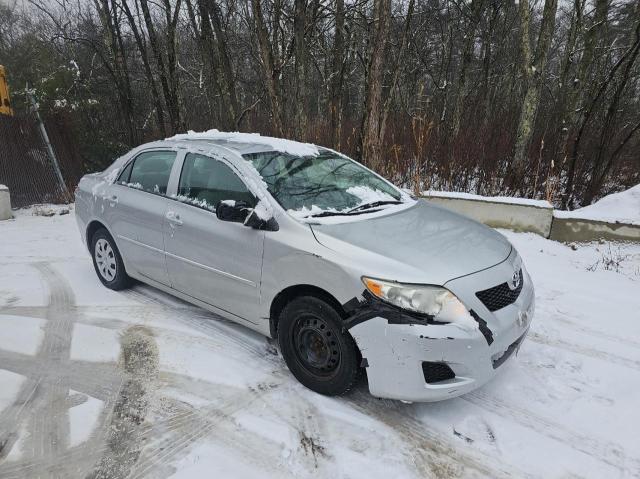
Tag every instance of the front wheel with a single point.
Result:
(317, 351)
(108, 262)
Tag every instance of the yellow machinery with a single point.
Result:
(5, 104)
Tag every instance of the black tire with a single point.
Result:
(117, 277)
(317, 351)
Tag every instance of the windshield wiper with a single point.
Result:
(374, 204)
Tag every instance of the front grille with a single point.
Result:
(436, 372)
(500, 296)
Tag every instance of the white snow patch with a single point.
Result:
(92, 343)
(3, 187)
(262, 211)
(83, 419)
(111, 176)
(490, 199)
(277, 144)
(192, 201)
(623, 207)
(20, 334)
(10, 385)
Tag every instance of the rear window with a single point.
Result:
(150, 171)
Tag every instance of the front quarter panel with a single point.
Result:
(292, 257)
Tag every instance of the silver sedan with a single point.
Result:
(350, 273)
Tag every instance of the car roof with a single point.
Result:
(244, 143)
(241, 148)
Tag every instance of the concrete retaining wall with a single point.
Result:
(5, 204)
(575, 229)
(513, 216)
(536, 219)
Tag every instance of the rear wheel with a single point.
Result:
(108, 262)
(317, 351)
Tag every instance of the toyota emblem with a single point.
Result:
(515, 280)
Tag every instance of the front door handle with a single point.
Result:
(113, 200)
(173, 218)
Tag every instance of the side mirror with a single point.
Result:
(255, 222)
(230, 210)
(241, 212)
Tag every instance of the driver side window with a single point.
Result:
(204, 182)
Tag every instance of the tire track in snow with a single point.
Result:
(594, 332)
(436, 452)
(43, 402)
(47, 430)
(182, 431)
(609, 453)
(584, 350)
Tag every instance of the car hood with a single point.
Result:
(423, 243)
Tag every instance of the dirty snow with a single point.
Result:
(490, 199)
(215, 399)
(623, 207)
(276, 144)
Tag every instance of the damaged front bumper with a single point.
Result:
(410, 360)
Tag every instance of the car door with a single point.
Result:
(135, 209)
(215, 261)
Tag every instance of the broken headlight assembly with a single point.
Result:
(435, 301)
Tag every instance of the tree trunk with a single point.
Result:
(269, 71)
(167, 88)
(147, 67)
(467, 57)
(533, 75)
(337, 77)
(300, 49)
(371, 126)
(577, 91)
(225, 62)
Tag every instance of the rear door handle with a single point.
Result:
(173, 218)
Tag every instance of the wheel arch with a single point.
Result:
(92, 227)
(292, 292)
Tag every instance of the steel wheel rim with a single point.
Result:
(105, 259)
(315, 346)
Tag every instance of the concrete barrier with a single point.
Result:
(581, 230)
(5, 203)
(532, 216)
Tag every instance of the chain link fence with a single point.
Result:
(26, 166)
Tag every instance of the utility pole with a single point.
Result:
(52, 156)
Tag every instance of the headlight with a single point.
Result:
(435, 301)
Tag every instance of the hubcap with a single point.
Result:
(105, 259)
(317, 349)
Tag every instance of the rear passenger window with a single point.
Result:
(150, 171)
(123, 179)
(205, 182)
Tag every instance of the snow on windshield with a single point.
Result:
(366, 194)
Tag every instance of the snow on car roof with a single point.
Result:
(250, 142)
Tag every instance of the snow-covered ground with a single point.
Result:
(622, 207)
(202, 397)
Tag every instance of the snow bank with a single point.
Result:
(623, 207)
(276, 144)
(488, 199)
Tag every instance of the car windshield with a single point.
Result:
(321, 185)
